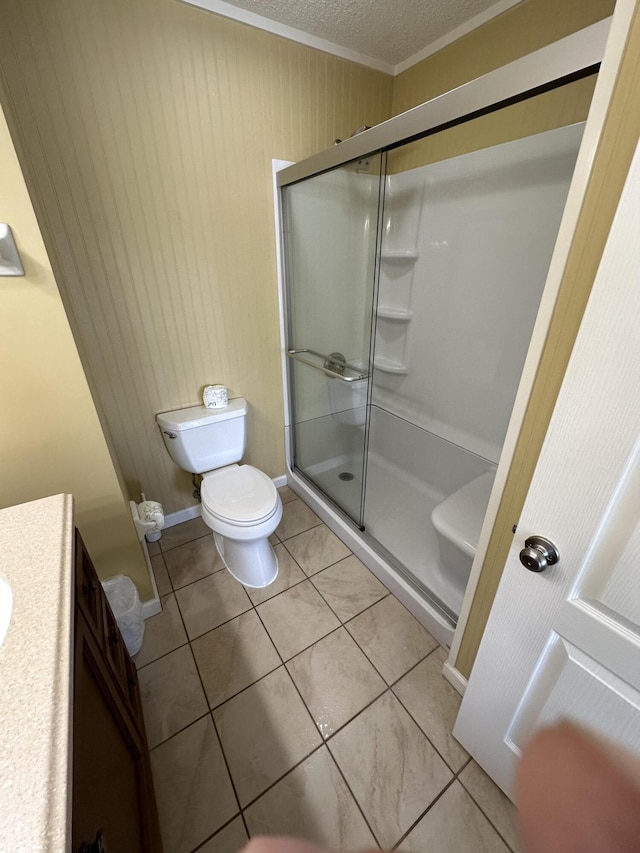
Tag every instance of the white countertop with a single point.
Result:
(36, 677)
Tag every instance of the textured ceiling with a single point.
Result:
(387, 30)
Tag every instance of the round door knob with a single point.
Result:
(538, 553)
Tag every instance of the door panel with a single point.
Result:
(565, 673)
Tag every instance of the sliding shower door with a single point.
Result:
(469, 225)
(331, 235)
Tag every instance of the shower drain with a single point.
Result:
(345, 475)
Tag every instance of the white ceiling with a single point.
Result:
(390, 35)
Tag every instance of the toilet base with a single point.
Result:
(253, 563)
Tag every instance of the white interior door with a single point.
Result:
(566, 642)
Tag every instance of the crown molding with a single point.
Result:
(227, 10)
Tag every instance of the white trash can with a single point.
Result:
(125, 602)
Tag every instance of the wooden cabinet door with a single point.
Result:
(109, 778)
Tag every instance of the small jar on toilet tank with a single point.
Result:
(215, 396)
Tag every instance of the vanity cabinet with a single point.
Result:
(113, 805)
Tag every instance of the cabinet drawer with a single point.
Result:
(88, 589)
(133, 690)
(114, 647)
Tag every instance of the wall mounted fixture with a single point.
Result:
(10, 263)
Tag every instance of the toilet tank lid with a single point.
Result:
(195, 416)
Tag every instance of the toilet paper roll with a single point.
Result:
(151, 512)
(215, 396)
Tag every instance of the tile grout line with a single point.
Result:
(178, 732)
(344, 621)
(191, 583)
(284, 662)
(413, 666)
(233, 784)
(438, 752)
(215, 728)
(355, 799)
(313, 722)
(425, 812)
(315, 725)
(244, 689)
(210, 710)
(387, 689)
(440, 795)
(491, 822)
(160, 657)
(186, 542)
(391, 684)
(221, 829)
(324, 742)
(219, 739)
(329, 565)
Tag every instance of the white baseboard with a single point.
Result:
(455, 678)
(279, 482)
(181, 515)
(151, 608)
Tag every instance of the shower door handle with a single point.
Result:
(299, 355)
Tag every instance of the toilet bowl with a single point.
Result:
(242, 507)
(239, 502)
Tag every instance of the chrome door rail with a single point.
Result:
(297, 355)
(575, 55)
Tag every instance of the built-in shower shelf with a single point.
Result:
(400, 256)
(400, 314)
(389, 366)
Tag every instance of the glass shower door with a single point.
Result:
(330, 226)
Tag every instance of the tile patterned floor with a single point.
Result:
(315, 707)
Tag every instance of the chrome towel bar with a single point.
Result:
(298, 355)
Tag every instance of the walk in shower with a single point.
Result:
(413, 274)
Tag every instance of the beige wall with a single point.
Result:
(148, 132)
(50, 437)
(528, 26)
(525, 28)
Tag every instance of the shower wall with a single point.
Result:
(466, 247)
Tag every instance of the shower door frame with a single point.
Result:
(571, 58)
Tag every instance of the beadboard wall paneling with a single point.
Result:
(524, 28)
(50, 435)
(566, 105)
(146, 132)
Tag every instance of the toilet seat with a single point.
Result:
(239, 495)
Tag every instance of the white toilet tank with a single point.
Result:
(201, 439)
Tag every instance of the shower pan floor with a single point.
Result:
(398, 516)
(346, 492)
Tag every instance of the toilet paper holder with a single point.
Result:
(148, 518)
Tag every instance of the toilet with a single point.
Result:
(239, 503)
